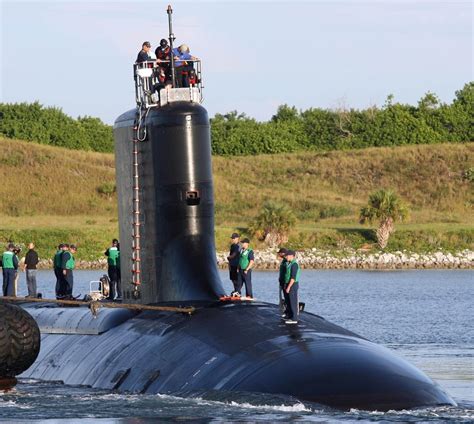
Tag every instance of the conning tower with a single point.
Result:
(165, 192)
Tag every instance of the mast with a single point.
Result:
(171, 39)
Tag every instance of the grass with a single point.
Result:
(50, 194)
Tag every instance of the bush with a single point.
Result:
(273, 224)
(107, 189)
(394, 124)
(50, 125)
(289, 130)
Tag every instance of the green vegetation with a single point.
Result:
(273, 224)
(52, 194)
(315, 129)
(289, 130)
(50, 125)
(386, 208)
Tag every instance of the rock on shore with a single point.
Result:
(343, 259)
(352, 259)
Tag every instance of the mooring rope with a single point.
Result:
(95, 305)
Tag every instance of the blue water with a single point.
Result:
(426, 316)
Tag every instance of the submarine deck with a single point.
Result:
(227, 347)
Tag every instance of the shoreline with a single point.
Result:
(343, 259)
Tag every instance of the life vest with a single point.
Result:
(114, 256)
(162, 54)
(288, 272)
(70, 263)
(162, 75)
(244, 258)
(192, 78)
(7, 260)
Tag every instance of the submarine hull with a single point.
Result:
(159, 352)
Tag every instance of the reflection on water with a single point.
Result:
(426, 316)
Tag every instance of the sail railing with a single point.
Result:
(154, 87)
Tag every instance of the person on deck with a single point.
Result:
(233, 258)
(57, 263)
(162, 52)
(31, 261)
(21, 264)
(281, 280)
(144, 53)
(183, 64)
(68, 264)
(163, 72)
(292, 278)
(9, 267)
(113, 261)
(246, 262)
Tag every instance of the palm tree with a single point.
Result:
(273, 224)
(385, 207)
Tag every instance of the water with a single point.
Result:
(426, 316)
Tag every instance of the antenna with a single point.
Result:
(171, 38)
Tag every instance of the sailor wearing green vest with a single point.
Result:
(68, 264)
(292, 279)
(9, 266)
(281, 280)
(246, 261)
(57, 264)
(113, 262)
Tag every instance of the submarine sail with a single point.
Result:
(177, 251)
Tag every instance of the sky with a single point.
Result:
(78, 55)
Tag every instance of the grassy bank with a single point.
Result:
(51, 194)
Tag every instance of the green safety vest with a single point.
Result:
(7, 260)
(57, 259)
(244, 258)
(114, 256)
(70, 263)
(288, 272)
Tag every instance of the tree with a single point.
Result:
(385, 207)
(273, 224)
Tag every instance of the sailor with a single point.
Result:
(31, 262)
(113, 262)
(162, 52)
(292, 278)
(183, 64)
(57, 263)
(67, 266)
(233, 258)
(246, 261)
(9, 266)
(21, 264)
(144, 53)
(281, 280)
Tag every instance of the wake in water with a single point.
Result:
(33, 400)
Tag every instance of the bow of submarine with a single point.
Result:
(314, 361)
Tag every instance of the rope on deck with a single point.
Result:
(95, 305)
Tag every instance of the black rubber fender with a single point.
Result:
(19, 340)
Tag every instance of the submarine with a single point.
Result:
(224, 345)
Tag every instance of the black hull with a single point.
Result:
(227, 348)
